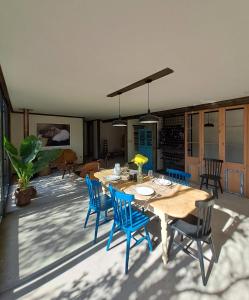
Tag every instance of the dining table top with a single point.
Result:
(176, 200)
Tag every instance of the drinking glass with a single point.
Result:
(150, 174)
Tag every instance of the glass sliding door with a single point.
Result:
(193, 135)
(234, 133)
(211, 135)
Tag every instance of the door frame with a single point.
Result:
(196, 162)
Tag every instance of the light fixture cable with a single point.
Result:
(148, 97)
(119, 106)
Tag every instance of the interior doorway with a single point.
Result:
(113, 144)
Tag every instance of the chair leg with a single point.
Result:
(148, 238)
(206, 183)
(87, 216)
(181, 237)
(220, 187)
(128, 242)
(110, 236)
(171, 239)
(200, 255)
(213, 250)
(216, 189)
(202, 179)
(96, 226)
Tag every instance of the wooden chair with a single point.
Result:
(89, 169)
(196, 229)
(66, 161)
(212, 171)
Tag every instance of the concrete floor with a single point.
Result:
(46, 254)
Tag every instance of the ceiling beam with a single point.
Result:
(141, 82)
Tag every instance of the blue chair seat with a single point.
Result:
(105, 203)
(138, 220)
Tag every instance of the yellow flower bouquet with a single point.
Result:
(140, 160)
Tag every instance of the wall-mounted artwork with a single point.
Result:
(54, 134)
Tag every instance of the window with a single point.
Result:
(1, 162)
(211, 135)
(4, 161)
(193, 135)
(234, 134)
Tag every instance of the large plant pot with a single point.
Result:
(23, 197)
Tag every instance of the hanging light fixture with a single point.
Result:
(148, 118)
(119, 122)
(208, 124)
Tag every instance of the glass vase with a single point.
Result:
(140, 174)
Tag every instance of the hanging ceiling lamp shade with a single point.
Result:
(148, 118)
(119, 122)
(208, 124)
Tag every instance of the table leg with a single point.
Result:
(164, 237)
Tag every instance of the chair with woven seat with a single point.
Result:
(98, 203)
(178, 176)
(127, 220)
(195, 229)
(66, 162)
(212, 171)
(89, 169)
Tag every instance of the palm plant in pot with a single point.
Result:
(29, 160)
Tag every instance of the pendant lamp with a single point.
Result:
(119, 122)
(208, 124)
(148, 118)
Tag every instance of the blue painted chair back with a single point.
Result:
(94, 190)
(122, 207)
(179, 176)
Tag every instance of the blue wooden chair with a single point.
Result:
(127, 220)
(178, 176)
(98, 202)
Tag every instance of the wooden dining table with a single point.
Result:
(175, 201)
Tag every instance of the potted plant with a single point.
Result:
(29, 160)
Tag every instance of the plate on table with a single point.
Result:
(112, 177)
(162, 181)
(144, 190)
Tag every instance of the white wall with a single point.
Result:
(76, 130)
(16, 128)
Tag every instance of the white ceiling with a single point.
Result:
(65, 56)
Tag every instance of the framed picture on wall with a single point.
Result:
(54, 134)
